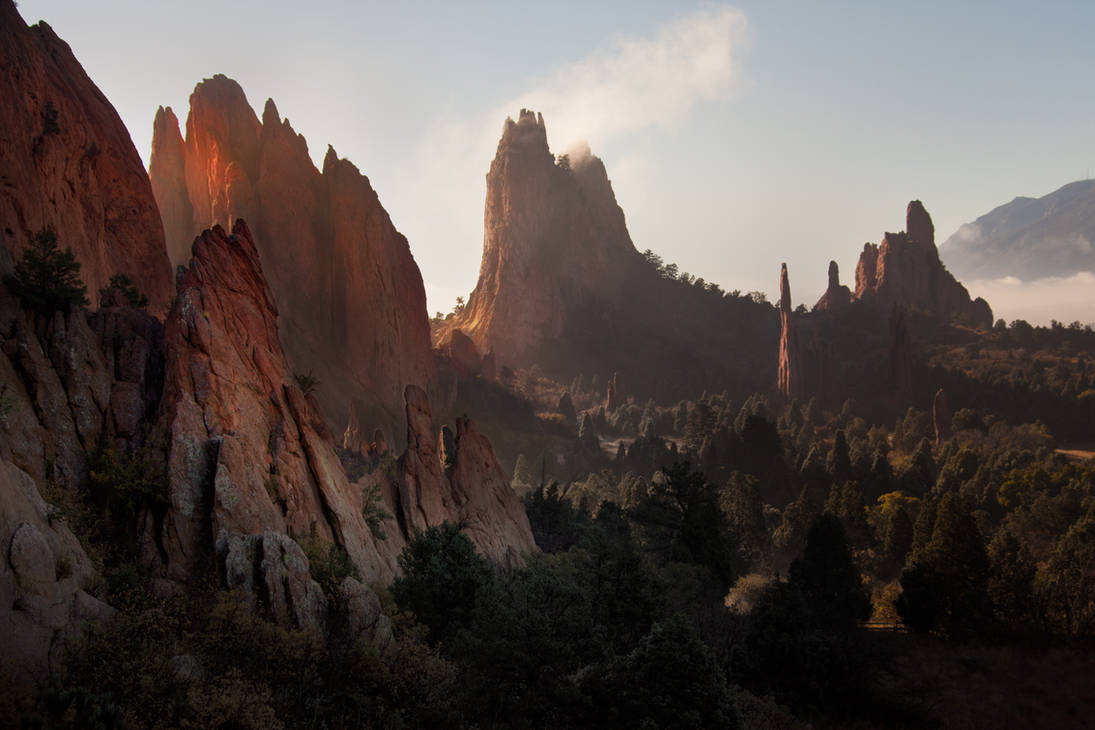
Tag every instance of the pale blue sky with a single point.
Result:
(804, 133)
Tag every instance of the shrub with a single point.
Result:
(47, 279)
(129, 290)
(307, 382)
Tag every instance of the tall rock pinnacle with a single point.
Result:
(552, 233)
(351, 298)
(789, 374)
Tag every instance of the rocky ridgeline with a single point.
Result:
(353, 307)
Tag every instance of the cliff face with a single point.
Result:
(352, 303)
(252, 469)
(247, 453)
(67, 162)
(905, 270)
(552, 234)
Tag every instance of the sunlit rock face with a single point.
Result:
(352, 303)
(905, 270)
(250, 462)
(68, 163)
(552, 233)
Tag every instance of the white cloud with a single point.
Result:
(1038, 301)
(630, 85)
(642, 82)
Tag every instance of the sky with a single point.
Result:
(737, 136)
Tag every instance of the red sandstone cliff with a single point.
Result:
(352, 303)
(251, 465)
(905, 270)
(67, 162)
(553, 233)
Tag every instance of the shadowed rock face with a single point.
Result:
(352, 303)
(941, 417)
(905, 270)
(836, 296)
(552, 234)
(67, 163)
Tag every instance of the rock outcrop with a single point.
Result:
(47, 581)
(553, 233)
(458, 479)
(464, 356)
(68, 163)
(941, 417)
(836, 296)
(353, 307)
(789, 373)
(562, 286)
(252, 470)
(249, 460)
(905, 270)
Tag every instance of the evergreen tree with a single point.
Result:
(47, 279)
(945, 586)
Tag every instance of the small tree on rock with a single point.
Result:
(47, 279)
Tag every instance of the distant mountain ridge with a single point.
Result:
(1028, 238)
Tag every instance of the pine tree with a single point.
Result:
(47, 278)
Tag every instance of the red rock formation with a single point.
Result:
(462, 353)
(552, 234)
(250, 463)
(836, 296)
(67, 162)
(167, 171)
(905, 270)
(941, 417)
(246, 453)
(789, 375)
(353, 307)
(462, 482)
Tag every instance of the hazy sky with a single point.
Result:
(736, 136)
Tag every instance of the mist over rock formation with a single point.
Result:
(905, 270)
(352, 303)
(561, 284)
(1029, 238)
(552, 234)
(67, 163)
